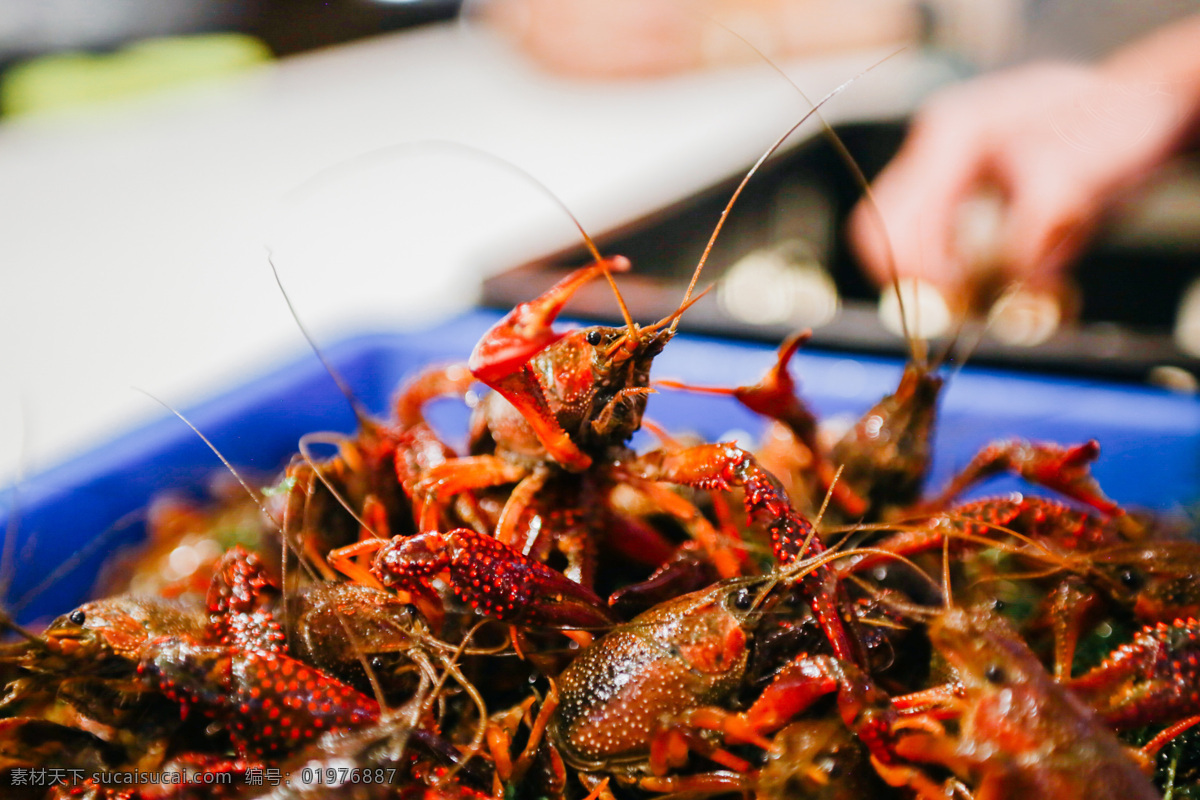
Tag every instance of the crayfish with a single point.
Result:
(563, 407)
(639, 699)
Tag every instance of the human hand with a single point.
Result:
(1059, 143)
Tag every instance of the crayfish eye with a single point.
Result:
(1130, 579)
(998, 605)
(743, 600)
(594, 338)
(77, 617)
(994, 674)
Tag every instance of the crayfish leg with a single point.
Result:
(1064, 469)
(236, 604)
(722, 466)
(495, 579)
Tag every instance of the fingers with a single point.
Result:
(1051, 213)
(1074, 162)
(910, 230)
(1060, 143)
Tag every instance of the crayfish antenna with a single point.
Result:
(824, 505)
(255, 496)
(947, 594)
(631, 334)
(812, 532)
(917, 347)
(847, 159)
(674, 316)
(799, 569)
(588, 241)
(360, 411)
(712, 239)
(671, 383)
(361, 415)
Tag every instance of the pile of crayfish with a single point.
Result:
(555, 615)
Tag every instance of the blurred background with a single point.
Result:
(31, 29)
(403, 160)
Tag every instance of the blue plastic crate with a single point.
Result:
(1150, 439)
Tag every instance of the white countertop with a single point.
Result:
(133, 236)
